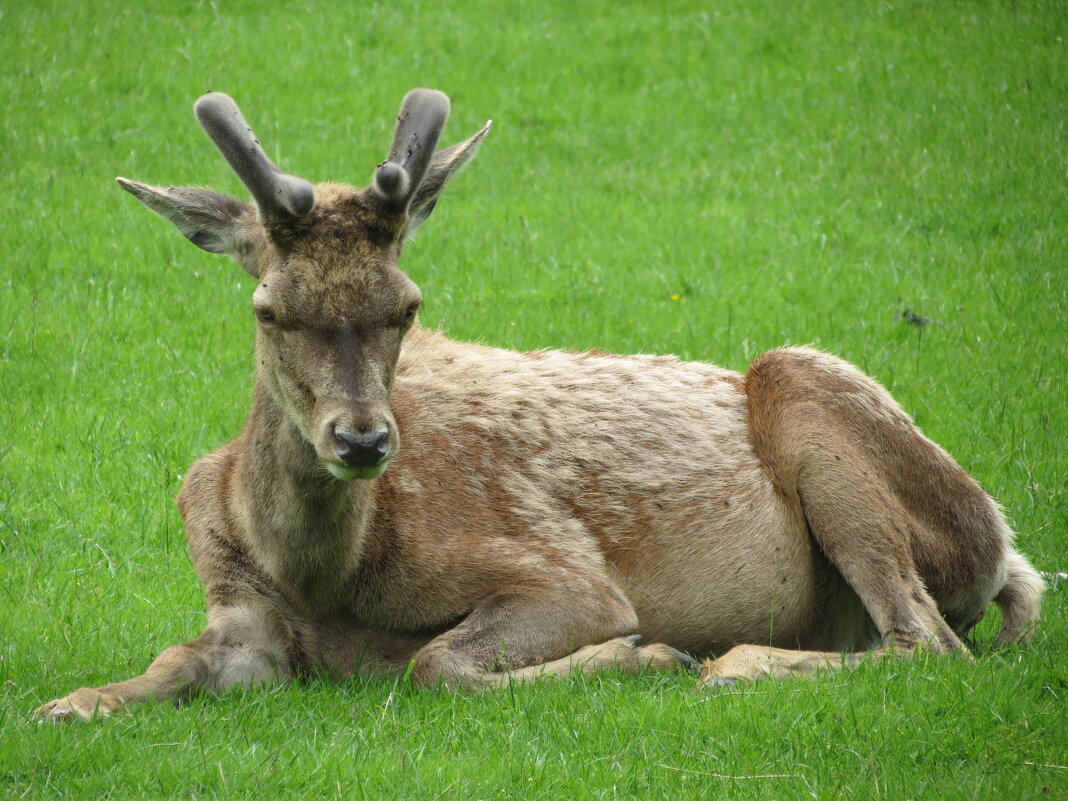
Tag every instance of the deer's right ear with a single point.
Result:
(216, 223)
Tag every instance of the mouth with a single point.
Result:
(344, 472)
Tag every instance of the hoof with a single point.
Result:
(718, 684)
(56, 712)
(81, 705)
(685, 660)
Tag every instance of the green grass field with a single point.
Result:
(662, 177)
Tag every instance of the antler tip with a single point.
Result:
(211, 97)
(392, 181)
(212, 105)
(435, 96)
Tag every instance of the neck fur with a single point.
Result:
(306, 528)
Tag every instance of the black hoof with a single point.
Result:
(685, 660)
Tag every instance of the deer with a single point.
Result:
(470, 517)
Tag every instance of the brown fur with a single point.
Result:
(539, 509)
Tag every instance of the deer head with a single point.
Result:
(332, 306)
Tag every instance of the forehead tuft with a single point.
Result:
(340, 260)
(343, 217)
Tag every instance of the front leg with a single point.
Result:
(523, 635)
(240, 645)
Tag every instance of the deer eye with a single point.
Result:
(409, 314)
(264, 315)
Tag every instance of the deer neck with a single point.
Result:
(306, 528)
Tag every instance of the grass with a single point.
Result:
(708, 180)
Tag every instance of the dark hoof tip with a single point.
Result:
(686, 661)
(633, 639)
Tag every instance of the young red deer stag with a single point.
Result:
(486, 516)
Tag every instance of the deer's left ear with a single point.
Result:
(443, 166)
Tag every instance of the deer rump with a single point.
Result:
(402, 502)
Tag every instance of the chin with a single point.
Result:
(347, 473)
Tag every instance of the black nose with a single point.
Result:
(361, 450)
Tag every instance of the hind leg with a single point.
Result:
(893, 513)
(866, 534)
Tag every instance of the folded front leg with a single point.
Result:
(241, 645)
(524, 635)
